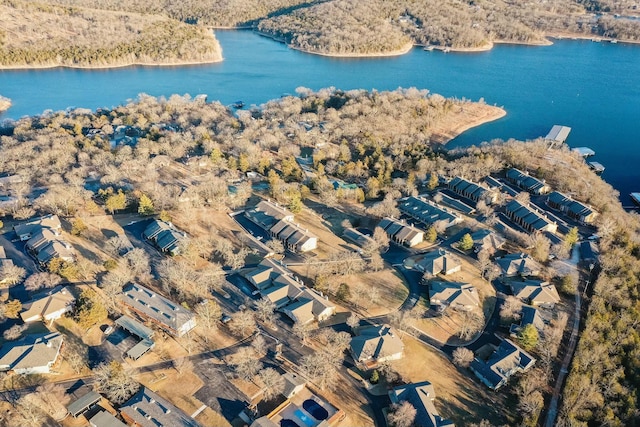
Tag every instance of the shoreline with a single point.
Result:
(108, 67)
(469, 119)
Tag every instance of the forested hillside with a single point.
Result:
(342, 26)
(37, 34)
(225, 13)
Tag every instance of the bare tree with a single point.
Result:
(116, 245)
(510, 309)
(52, 399)
(376, 263)
(112, 380)
(209, 313)
(243, 323)
(28, 412)
(472, 322)
(76, 353)
(265, 310)
(462, 357)
(182, 365)
(272, 383)
(320, 368)
(138, 263)
(353, 321)
(402, 414)
(41, 280)
(276, 246)
(302, 331)
(12, 274)
(246, 363)
(381, 238)
(14, 332)
(259, 344)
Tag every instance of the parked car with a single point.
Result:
(225, 318)
(108, 330)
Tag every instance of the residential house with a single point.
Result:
(148, 409)
(293, 236)
(84, 403)
(45, 244)
(308, 306)
(460, 296)
(421, 396)
(151, 306)
(284, 290)
(401, 232)
(535, 292)
(488, 241)
(574, 209)
(438, 262)
(293, 384)
(376, 344)
(427, 212)
(25, 230)
(278, 222)
(507, 360)
(139, 330)
(471, 191)
(589, 251)
(360, 239)
(267, 213)
(518, 264)
(528, 316)
(105, 419)
(48, 306)
(165, 236)
(33, 354)
(263, 275)
(527, 182)
(529, 218)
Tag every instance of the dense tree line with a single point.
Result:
(38, 35)
(227, 13)
(382, 26)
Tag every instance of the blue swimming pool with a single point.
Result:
(305, 419)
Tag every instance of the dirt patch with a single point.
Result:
(463, 117)
(459, 396)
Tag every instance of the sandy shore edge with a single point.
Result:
(107, 67)
(469, 116)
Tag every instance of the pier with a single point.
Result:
(596, 167)
(558, 133)
(584, 151)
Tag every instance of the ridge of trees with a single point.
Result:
(36, 34)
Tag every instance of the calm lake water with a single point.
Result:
(592, 87)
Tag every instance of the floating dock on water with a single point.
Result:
(584, 151)
(596, 167)
(636, 198)
(558, 133)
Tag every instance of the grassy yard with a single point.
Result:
(459, 396)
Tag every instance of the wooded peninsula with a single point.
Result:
(385, 143)
(102, 34)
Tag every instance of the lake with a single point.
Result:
(592, 87)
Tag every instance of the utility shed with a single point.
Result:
(558, 133)
(84, 403)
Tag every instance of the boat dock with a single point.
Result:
(558, 133)
(584, 151)
(636, 198)
(596, 167)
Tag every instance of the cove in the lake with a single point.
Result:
(592, 87)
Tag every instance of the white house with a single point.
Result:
(48, 306)
(33, 354)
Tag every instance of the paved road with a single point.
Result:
(552, 412)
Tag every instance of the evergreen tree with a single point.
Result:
(145, 205)
(466, 242)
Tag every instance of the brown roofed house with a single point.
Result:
(48, 306)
